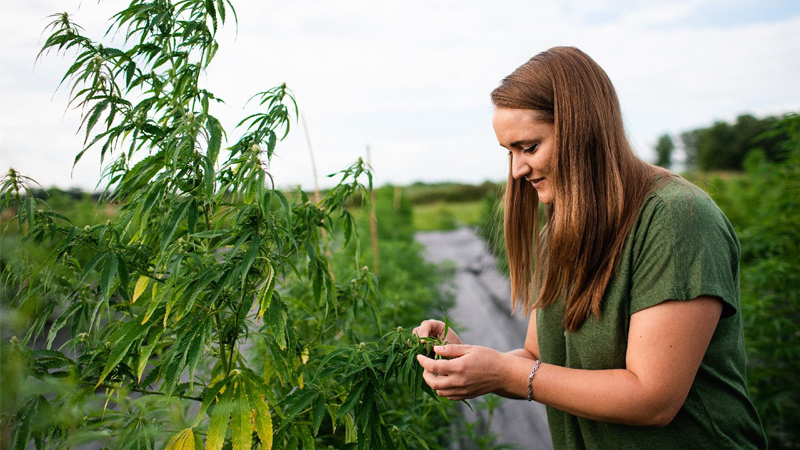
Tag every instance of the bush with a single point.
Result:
(138, 329)
(771, 288)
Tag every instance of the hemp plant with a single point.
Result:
(140, 325)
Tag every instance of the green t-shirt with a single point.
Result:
(681, 247)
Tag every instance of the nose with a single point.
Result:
(519, 168)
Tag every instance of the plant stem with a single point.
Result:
(145, 391)
(222, 355)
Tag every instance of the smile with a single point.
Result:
(536, 181)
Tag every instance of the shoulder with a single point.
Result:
(678, 194)
(680, 206)
(683, 247)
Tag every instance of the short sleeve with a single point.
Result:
(684, 248)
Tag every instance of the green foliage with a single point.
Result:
(132, 320)
(723, 146)
(771, 287)
(664, 149)
(422, 193)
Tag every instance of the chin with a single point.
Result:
(545, 198)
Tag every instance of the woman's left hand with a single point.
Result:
(469, 371)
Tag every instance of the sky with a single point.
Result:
(411, 79)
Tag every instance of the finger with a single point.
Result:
(439, 382)
(456, 398)
(428, 328)
(423, 330)
(435, 381)
(450, 393)
(452, 350)
(433, 365)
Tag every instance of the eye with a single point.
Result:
(530, 149)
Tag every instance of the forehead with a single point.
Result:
(512, 124)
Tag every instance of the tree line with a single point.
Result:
(723, 145)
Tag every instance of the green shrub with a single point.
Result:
(135, 330)
(770, 284)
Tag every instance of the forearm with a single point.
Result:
(615, 396)
(521, 353)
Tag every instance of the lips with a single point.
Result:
(536, 181)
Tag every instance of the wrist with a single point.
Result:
(531, 375)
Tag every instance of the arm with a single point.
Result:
(530, 352)
(666, 344)
(531, 348)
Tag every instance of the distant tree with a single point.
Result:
(724, 146)
(664, 150)
(690, 140)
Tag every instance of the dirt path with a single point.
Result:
(483, 314)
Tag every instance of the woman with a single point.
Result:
(635, 338)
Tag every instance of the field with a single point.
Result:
(196, 304)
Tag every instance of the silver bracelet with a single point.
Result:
(530, 379)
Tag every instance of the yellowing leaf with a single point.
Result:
(349, 430)
(304, 355)
(220, 418)
(141, 285)
(158, 297)
(241, 426)
(184, 440)
(262, 421)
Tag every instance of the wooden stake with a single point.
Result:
(313, 164)
(316, 188)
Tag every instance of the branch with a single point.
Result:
(145, 391)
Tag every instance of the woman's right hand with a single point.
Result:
(435, 328)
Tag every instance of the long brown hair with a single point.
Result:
(599, 185)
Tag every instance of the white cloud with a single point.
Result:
(412, 78)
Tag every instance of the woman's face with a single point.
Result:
(531, 143)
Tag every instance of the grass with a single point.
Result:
(448, 216)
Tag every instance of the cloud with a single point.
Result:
(412, 78)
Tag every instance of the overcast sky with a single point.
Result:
(411, 78)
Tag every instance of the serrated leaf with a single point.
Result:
(158, 296)
(352, 398)
(209, 395)
(133, 332)
(144, 355)
(306, 437)
(301, 399)
(318, 414)
(277, 321)
(220, 417)
(141, 285)
(349, 430)
(287, 211)
(60, 322)
(241, 428)
(265, 296)
(184, 440)
(195, 350)
(214, 141)
(261, 419)
(250, 257)
(91, 264)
